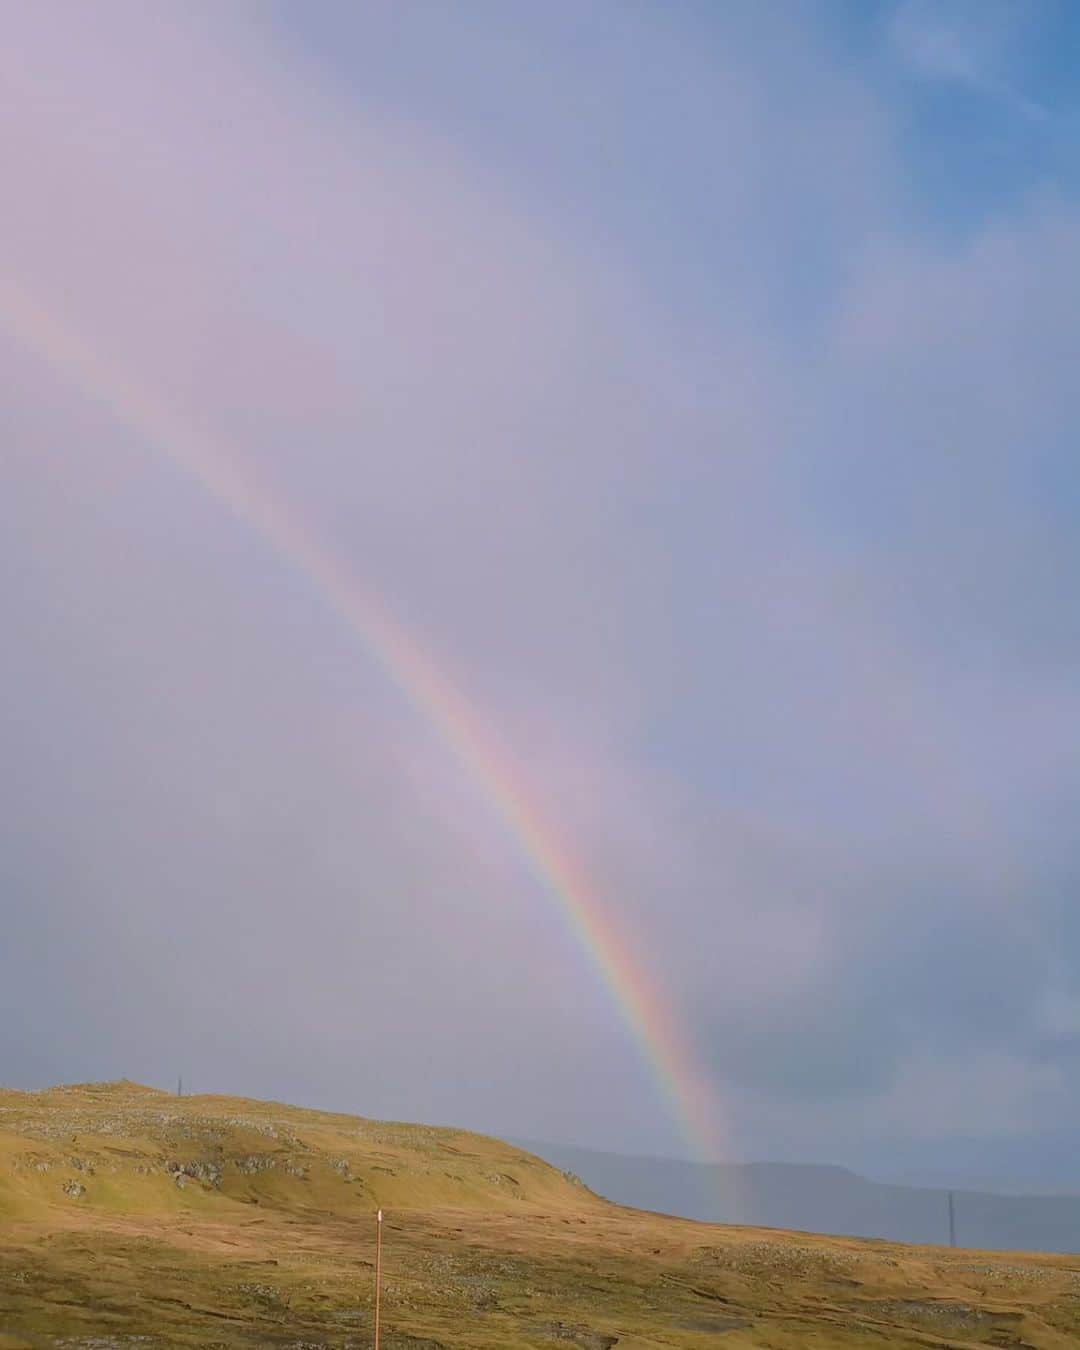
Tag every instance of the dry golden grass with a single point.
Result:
(131, 1218)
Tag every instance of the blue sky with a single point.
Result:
(610, 116)
(697, 383)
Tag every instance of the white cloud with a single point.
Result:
(973, 43)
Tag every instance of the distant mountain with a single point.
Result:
(989, 1185)
(824, 1200)
(1032, 1162)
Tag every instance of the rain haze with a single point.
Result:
(695, 387)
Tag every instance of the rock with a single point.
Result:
(209, 1173)
(583, 1337)
(255, 1163)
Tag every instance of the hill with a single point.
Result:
(131, 1218)
(825, 1200)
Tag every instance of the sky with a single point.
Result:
(695, 386)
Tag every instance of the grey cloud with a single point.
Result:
(748, 591)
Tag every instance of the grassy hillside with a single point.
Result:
(131, 1218)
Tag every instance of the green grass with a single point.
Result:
(268, 1240)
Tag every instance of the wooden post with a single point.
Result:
(378, 1272)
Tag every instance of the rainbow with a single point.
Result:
(638, 1000)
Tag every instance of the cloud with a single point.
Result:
(739, 505)
(971, 44)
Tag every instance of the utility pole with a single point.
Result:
(952, 1221)
(180, 1086)
(378, 1272)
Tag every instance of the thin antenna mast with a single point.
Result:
(378, 1272)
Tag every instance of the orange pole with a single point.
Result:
(378, 1272)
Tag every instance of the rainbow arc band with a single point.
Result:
(637, 997)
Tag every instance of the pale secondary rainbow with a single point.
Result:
(636, 997)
